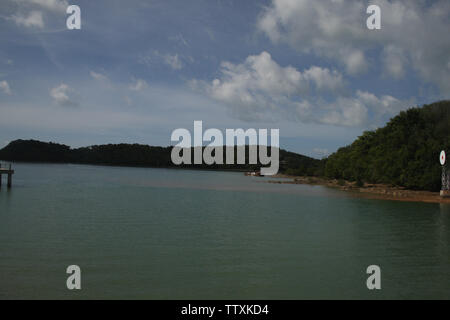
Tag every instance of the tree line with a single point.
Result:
(405, 152)
(138, 155)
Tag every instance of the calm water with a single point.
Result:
(173, 234)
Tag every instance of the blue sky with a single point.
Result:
(138, 69)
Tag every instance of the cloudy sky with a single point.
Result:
(139, 69)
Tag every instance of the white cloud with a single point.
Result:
(4, 86)
(346, 112)
(33, 19)
(363, 108)
(98, 76)
(30, 12)
(60, 95)
(138, 85)
(261, 89)
(414, 34)
(52, 5)
(395, 60)
(321, 152)
(179, 39)
(260, 74)
(173, 61)
(324, 79)
(354, 60)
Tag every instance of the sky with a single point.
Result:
(137, 70)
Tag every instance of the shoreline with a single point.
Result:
(369, 190)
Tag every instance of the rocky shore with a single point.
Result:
(371, 191)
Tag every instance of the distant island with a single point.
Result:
(141, 156)
(404, 153)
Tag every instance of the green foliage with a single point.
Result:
(36, 151)
(403, 153)
(301, 166)
(140, 155)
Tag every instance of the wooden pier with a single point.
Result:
(8, 172)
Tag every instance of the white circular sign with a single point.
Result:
(442, 158)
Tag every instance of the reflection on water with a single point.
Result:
(445, 208)
(180, 234)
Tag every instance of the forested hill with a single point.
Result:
(404, 153)
(136, 155)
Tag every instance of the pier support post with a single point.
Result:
(8, 172)
(9, 180)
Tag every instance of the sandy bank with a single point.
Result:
(371, 191)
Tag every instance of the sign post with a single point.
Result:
(445, 177)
